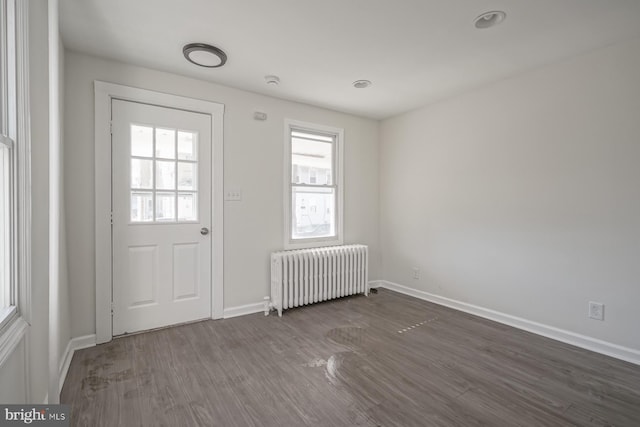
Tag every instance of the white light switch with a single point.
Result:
(233, 195)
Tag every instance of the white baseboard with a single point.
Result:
(74, 344)
(242, 310)
(258, 307)
(376, 284)
(578, 340)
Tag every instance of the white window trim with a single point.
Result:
(338, 177)
(16, 325)
(104, 93)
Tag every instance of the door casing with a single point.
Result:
(104, 93)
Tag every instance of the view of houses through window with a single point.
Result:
(313, 190)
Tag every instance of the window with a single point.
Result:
(6, 192)
(164, 173)
(14, 207)
(7, 136)
(313, 179)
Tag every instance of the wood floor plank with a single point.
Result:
(383, 360)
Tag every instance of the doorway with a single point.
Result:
(159, 176)
(161, 204)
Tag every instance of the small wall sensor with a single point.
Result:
(259, 115)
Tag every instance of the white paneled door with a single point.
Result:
(161, 216)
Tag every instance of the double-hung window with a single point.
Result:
(313, 182)
(13, 152)
(7, 144)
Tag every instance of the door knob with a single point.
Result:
(204, 231)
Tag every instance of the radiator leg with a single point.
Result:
(267, 306)
(280, 311)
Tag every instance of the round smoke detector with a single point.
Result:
(489, 19)
(362, 84)
(272, 80)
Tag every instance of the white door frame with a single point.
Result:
(104, 93)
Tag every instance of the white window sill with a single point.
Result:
(312, 243)
(12, 334)
(5, 316)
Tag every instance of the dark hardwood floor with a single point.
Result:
(348, 363)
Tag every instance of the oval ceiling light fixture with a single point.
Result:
(489, 19)
(362, 84)
(204, 55)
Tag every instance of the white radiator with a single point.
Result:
(307, 276)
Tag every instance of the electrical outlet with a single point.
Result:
(596, 310)
(416, 273)
(233, 195)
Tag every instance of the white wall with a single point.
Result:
(39, 79)
(253, 157)
(13, 386)
(524, 196)
(64, 309)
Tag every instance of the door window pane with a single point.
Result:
(155, 181)
(165, 175)
(313, 212)
(187, 176)
(142, 173)
(141, 141)
(187, 145)
(166, 143)
(165, 206)
(141, 206)
(187, 207)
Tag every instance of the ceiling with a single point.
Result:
(414, 51)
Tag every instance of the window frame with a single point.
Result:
(15, 127)
(7, 312)
(337, 177)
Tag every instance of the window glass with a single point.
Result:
(141, 173)
(141, 206)
(313, 211)
(164, 175)
(187, 145)
(14, 151)
(313, 193)
(165, 206)
(187, 207)
(311, 158)
(166, 143)
(141, 141)
(187, 176)
(5, 227)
